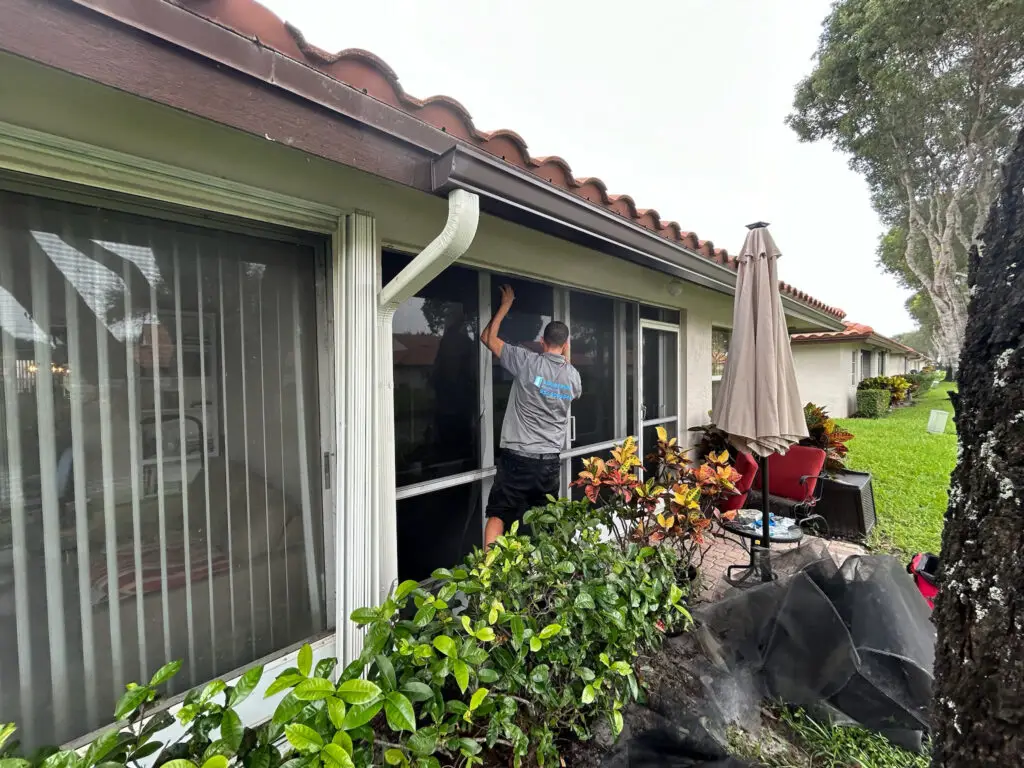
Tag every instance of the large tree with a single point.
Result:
(925, 96)
(979, 665)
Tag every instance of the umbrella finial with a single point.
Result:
(757, 225)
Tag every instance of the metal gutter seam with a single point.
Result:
(453, 241)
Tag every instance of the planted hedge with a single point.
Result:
(873, 403)
(545, 646)
(897, 386)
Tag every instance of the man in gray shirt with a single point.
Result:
(536, 420)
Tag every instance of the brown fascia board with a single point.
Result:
(294, 105)
(163, 53)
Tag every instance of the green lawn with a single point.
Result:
(910, 470)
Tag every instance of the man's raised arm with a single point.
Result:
(489, 335)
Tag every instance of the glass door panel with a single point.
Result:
(660, 374)
(533, 309)
(593, 353)
(659, 383)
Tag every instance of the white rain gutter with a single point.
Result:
(454, 240)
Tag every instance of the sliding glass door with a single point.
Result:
(659, 381)
(451, 395)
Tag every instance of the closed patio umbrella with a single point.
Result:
(759, 405)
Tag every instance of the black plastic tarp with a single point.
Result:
(854, 642)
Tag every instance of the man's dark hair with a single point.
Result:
(556, 333)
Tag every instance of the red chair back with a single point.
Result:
(747, 467)
(785, 471)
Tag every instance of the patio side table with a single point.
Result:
(758, 563)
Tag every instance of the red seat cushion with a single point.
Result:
(785, 471)
(747, 468)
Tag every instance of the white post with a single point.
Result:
(356, 529)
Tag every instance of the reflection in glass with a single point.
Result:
(631, 352)
(436, 368)
(719, 350)
(650, 442)
(592, 349)
(437, 530)
(158, 457)
(660, 374)
(533, 310)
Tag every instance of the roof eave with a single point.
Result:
(521, 197)
(506, 190)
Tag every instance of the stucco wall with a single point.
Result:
(823, 375)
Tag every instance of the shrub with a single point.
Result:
(922, 381)
(827, 435)
(675, 506)
(545, 644)
(898, 386)
(713, 440)
(872, 403)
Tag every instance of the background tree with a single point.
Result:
(979, 664)
(925, 96)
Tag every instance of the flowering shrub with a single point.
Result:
(897, 385)
(827, 435)
(677, 503)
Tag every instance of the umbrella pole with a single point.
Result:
(766, 534)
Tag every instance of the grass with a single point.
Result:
(910, 471)
(791, 739)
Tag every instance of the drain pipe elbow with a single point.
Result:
(453, 241)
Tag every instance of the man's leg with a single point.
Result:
(495, 527)
(507, 501)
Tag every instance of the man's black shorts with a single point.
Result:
(521, 484)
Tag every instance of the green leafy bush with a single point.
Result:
(873, 403)
(922, 382)
(545, 644)
(897, 386)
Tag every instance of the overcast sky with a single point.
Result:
(678, 103)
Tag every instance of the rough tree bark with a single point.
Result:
(979, 698)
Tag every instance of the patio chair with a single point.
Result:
(747, 467)
(794, 490)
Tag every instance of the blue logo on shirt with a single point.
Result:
(552, 390)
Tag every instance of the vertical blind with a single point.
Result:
(159, 451)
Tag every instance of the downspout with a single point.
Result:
(454, 240)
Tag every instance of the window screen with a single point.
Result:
(159, 494)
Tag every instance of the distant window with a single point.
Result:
(865, 364)
(853, 368)
(659, 314)
(881, 363)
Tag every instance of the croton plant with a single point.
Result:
(675, 504)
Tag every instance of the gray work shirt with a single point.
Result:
(537, 415)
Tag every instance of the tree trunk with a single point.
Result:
(979, 665)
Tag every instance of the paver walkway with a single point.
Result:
(726, 551)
